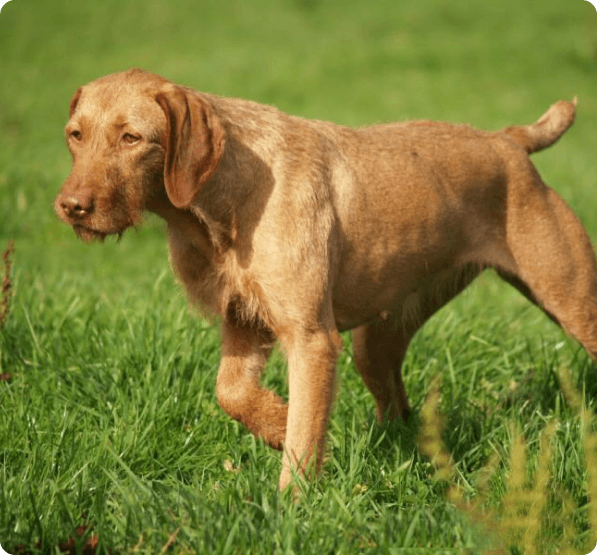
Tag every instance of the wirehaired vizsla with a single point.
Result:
(293, 230)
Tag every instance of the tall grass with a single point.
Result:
(525, 514)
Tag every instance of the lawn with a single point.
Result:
(110, 433)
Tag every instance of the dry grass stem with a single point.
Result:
(589, 442)
(521, 519)
(6, 284)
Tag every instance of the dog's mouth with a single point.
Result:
(88, 234)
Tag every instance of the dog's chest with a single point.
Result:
(215, 282)
(195, 269)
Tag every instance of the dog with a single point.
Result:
(291, 231)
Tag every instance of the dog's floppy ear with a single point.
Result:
(195, 140)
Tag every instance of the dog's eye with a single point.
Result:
(130, 138)
(76, 135)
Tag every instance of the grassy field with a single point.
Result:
(108, 417)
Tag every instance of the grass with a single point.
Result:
(109, 427)
(534, 515)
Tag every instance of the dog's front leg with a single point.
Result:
(311, 372)
(244, 353)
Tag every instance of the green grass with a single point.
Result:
(110, 416)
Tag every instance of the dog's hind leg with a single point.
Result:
(551, 257)
(380, 347)
(379, 350)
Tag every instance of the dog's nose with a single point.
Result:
(77, 206)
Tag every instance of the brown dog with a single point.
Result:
(293, 230)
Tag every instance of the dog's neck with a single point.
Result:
(184, 222)
(224, 213)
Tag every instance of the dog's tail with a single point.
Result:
(547, 130)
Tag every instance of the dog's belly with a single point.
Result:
(358, 300)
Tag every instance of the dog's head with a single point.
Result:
(137, 141)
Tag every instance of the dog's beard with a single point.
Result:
(114, 213)
(100, 227)
(89, 235)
